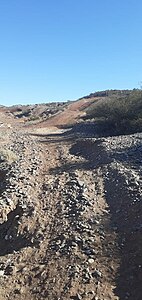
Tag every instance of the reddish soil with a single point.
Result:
(70, 115)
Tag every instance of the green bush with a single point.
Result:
(122, 115)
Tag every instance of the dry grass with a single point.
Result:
(7, 155)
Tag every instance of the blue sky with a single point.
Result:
(58, 50)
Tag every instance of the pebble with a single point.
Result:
(1, 272)
(91, 260)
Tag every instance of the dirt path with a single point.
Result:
(69, 227)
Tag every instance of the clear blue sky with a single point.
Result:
(54, 50)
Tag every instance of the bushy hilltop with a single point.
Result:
(110, 93)
(116, 111)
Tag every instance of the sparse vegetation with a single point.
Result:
(121, 115)
(7, 155)
(34, 118)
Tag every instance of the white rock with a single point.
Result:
(91, 260)
(1, 272)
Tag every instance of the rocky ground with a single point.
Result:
(70, 215)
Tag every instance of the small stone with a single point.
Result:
(91, 260)
(79, 296)
(1, 272)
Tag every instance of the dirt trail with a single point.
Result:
(69, 115)
(69, 227)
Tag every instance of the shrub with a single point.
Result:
(7, 155)
(123, 115)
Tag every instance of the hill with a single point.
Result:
(117, 112)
